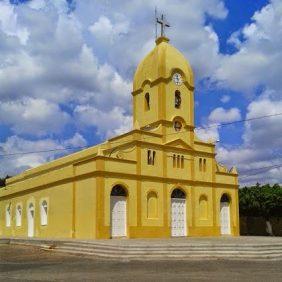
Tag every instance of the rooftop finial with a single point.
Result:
(162, 21)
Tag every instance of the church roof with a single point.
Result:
(160, 63)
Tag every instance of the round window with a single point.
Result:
(177, 125)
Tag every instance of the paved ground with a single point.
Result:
(18, 263)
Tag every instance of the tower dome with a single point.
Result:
(161, 62)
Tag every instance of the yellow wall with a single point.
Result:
(60, 212)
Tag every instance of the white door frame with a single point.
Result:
(118, 225)
(179, 232)
(225, 218)
(30, 220)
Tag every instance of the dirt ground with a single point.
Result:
(19, 263)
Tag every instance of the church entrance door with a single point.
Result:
(178, 213)
(30, 220)
(118, 212)
(225, 215)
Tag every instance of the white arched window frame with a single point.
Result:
(44, 212)
(8, 215)
(19, 212)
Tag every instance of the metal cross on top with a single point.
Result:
(162, 21)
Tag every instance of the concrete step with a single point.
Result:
(174, 256)
(151, 244)
(129, 250)
(173, 248)
(154, 245)
(169, 249)
(172, 252)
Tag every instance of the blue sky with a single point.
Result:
(66, 71)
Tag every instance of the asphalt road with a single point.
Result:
(18, 263)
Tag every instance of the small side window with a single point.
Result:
(177, 99)
(174, 161)
(182, 161)
(200, 164)
(18, 215)
(8, 215)
(147, 102)
(44, 213)
(178, 161)
(205, 165)
(151, 156)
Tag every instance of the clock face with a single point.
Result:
(177, 78)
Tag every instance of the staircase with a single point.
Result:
(238, 248)
(170, 251)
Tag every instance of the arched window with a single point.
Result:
(44, 213)
(200, 164)
(177, 99)
(147, 102)
(205, 165)
(178, 193)
(225, 198)
(174, 160)
(152, 205)
(182, 161)
(18, 215)
(8, 215)
(203, 207)
(118, 190)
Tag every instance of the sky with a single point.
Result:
(66, 70)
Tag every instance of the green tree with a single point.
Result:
(265, 201)
(3, 181)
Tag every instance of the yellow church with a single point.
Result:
(156, 181)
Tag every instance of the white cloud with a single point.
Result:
(262, 143)
(208, 133)
(37, 4)
(264, 133)
(221, 115)
(198, 41)
(76, 141)
(210, 130)
(12, 165)
(106, 31)
(108, 124)
(225, 99)
(9, 22)
(33, 116)
(257, 61)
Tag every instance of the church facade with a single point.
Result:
(156, 181)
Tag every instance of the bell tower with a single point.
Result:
(163, 93)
